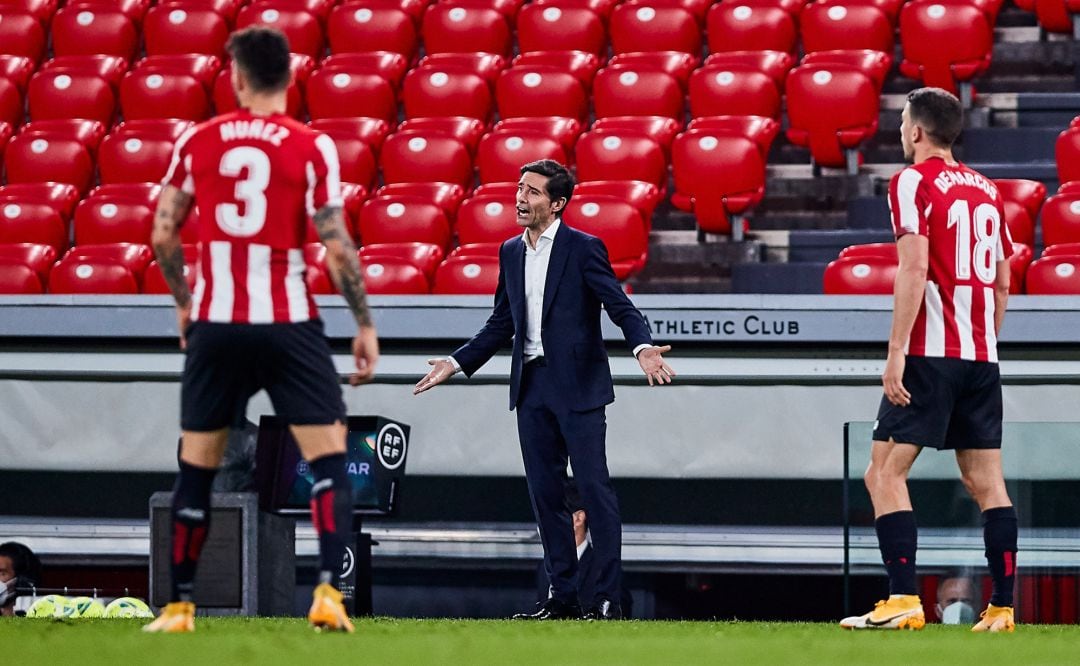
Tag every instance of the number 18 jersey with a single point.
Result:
(960, 212)
(256, 180)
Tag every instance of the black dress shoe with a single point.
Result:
(552, 609)
(605, 611)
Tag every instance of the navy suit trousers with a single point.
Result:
(550, 433)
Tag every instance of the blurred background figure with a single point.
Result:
(19, 567)
(956, 599)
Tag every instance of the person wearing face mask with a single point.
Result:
(19, 566)
(956, 600)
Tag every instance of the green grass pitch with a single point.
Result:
(384, 641)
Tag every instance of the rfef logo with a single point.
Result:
(390, 446)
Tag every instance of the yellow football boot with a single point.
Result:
(996, 618)
(327, 611)
(176, 618)
(899, 611)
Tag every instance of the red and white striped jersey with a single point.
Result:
(257, 181)
(960, 211)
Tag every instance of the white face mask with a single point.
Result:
(957, 613)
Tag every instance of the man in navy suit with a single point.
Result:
(553, 281)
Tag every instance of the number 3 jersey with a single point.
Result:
(960, 211)
(257, 181)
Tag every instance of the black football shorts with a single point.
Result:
(955, 404)
(228, 363)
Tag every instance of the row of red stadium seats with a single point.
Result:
(128, 268)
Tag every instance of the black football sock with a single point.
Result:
(331, 512)
(190, 521)
(999, 535)
(897, 538)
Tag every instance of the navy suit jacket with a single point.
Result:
(579, 281)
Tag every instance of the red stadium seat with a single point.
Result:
(318, 277)
(29, 222)
(12, 111)
(775, 64)
(356, 154)
(477, 250)
(758, 129)
(31, 157)
(451, 29)
(1028, 193)
(547, 28)
(615, 222)
(1019, 263)
(874, 64)
(446, 196)
(388, 276)
(1061, 219)
(487, 66)
(881, 250)
(110, 68)
(860, 275)
(139, 150)
(564, 130)
(415, 9)
(945, 44)
(632, 92)
(134, 256)
(302, 28)
(5, 135)
(831, 27)
(502, 154)
(417, 157)
(372, 131)
(92, 276)
(507, 191)
(203, 68)
(61, 197)
(487, 219)
(37, 257)
(1021, 225)
(93, 30)
(21, 33)
(145, 193)
(387, 64)
(602, 8)
(301, 66)
(154, 282)
(113, 219)
(539, 91)
(676, 63)
(56, 93)
(17, 70)
(18, 278)
(659, 128)
(734, 26)
(467, 130)
(1067, 155)
(606, 153)
(135, 10)
(1054, 275)
(353, 27)
(723, 172)
(473, 274)
(87, 132)
(582, 65)
(698, 8)
(190, 29)
(227, 8)
(403, 220)
(333, 92)
(146, 93)
(831, 110)
(641, 195)
(1062, 250)
(1055, 15)
(430, 92)
(654, 28)
(42, 10)
(716, 91)
(425, 256)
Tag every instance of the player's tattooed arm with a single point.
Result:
(173, 207)
(343, 262)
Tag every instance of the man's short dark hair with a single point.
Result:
(938, 112)
(262, 54)
(560, 183)
(23, 560)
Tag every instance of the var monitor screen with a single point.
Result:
(375, 462)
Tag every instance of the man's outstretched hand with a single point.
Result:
(652, 364)
(441, 370)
